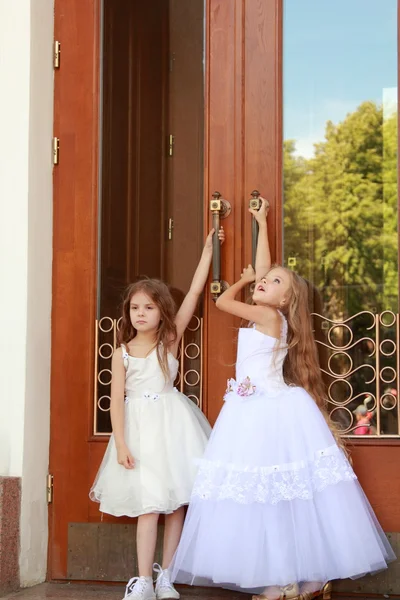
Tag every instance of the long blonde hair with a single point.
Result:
(301, 366)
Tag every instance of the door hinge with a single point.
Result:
(171, 144)
(56, 56)
(50, 488)
(56, 150)
(170, 228)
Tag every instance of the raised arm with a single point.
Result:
(189, 304)
(263, 255)
(261, 315)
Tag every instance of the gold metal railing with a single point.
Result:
(188, 381)
(360, 362)
(359, 357)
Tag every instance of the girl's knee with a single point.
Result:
(149, 518)
(178, 513)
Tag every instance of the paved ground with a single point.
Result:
(68, 591)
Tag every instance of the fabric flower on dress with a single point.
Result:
(244, 388)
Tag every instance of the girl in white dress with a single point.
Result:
(149, 465)
(276, 508)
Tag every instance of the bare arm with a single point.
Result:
(117, 409)
(189, 304)
(263, 255)
(265, 316)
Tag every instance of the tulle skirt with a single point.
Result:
(166, 434)
(276, 502)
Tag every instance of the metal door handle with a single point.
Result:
(254, 203)
(220, 209)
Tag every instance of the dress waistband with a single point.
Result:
(148, 395)
(246, 388)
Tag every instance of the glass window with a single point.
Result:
(340, 66)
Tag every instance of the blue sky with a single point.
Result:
(336, 54)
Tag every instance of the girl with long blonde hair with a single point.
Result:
(276, 508)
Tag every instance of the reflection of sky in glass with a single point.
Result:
(337, 54)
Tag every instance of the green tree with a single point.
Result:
(390, 214)
(341, 213)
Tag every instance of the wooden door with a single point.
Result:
(241, 152)
(244, 141)
(132, 158)
(184, 165)
(76, 118)
(113, 195)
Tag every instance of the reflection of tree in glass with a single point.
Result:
(341, 213)
(340, 223)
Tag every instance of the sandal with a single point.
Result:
(325, 592)
(289, 592)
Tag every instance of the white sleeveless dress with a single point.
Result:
(165, 432)
(275, 500)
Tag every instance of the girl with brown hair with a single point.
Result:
(276, 507)
(149, 465)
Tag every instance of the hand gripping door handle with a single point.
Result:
(220, 209)
(254, 203)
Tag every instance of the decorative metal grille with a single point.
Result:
(189, 378)
(359, 359)
(360, 362)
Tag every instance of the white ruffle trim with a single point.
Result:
(272, 484)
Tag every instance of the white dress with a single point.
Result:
(275, 500)
(165, 432)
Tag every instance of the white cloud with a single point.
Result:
(389, 101)
(305, 145)
(334, 110)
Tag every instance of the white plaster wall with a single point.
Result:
(34, 520)
(26, 124)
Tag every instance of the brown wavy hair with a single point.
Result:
(301, 366)
(160, 294)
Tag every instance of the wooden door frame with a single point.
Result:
(243, 118)
(75, 181)
(231, 81)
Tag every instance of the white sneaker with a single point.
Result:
(140, 588)
(164, 588)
